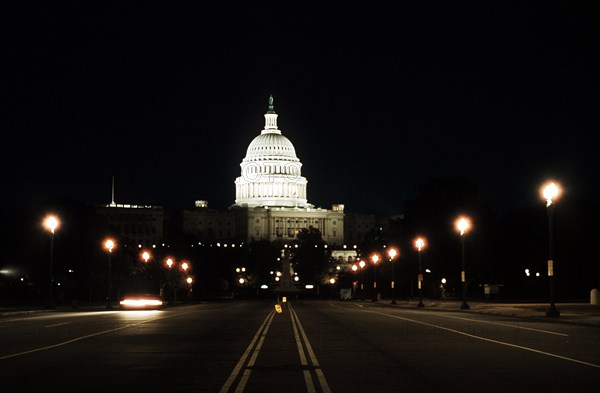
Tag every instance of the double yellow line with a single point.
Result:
(258, 337)
(300, 336)
(253, 349)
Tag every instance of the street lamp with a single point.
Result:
(189, 280)
(550, 193)
(51, 223)
(463, 224)
(392, 254)
(146, 257)
(109, 244)
(362, 278)
(168, 279)
(185, 266)
(375, 259)
(354, 270)
(420, 244)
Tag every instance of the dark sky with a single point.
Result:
(377, 98)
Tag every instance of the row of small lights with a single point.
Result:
(51, 223)
(463, 224)
(550, 192)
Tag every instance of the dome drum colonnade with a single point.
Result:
(271, 171)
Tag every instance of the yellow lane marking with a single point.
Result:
(240, 363)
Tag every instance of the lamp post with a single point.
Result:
(109, 244)
(420, 244)
(146, 257)
(362, 278)
(375, 259)
(168, 283)
(189, 280)
(51, 223)
(392, 254)
(354, 270)
(463, 224)
(550, 193)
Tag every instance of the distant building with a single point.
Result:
(209, 225)
(344, 257)
(358, 227)
(134, 224)
(271, 197)
(271, 204)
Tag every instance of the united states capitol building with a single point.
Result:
(271, 200)
(271, 203)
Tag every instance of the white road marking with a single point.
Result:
(490, 340)
(90, 335)
(58, 324)
(502, 324)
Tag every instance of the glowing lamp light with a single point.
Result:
(146, 256)
(392, 253)
(550, 192)
(420, 244)
(169, 262)
(375, 258)
(51, 223)
(463, 224)
(189, 280)
(109, 244)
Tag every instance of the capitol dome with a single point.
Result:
(271, 171)
(271, 145)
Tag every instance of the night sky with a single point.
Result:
(377, 98)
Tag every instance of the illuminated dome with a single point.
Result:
(271, 173)
(270, 144)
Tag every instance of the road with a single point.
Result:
(311, 346)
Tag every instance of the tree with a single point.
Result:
(432, 214)
(310, 259)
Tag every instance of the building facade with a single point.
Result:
(271, 194)
(134, 224)
(271, 200)
(209, 225)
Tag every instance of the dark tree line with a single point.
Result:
(498, 249)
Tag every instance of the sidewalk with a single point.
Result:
(575, 313)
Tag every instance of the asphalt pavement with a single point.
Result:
(575, 313)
